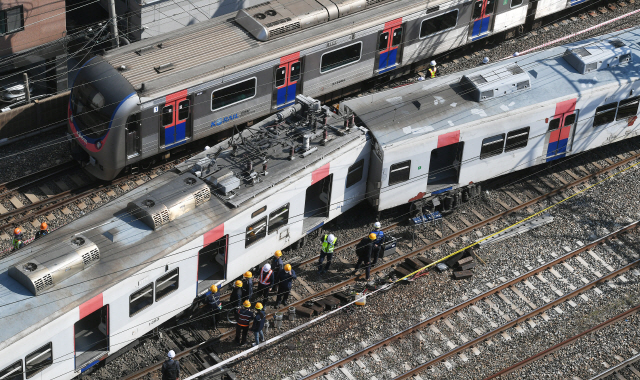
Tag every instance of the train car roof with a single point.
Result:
(203, 52)
(443, 104)
(128, 245)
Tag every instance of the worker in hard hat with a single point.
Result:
(212, 298)
(17, 241)
(328, 246)
(236, 294)
(378, 244)
(171, 367)
(247, 286)
(277, 264)
(258, 324)
(244, 316)
(265, 283)
(433, 70)
(44, 230)
(363, 250)
(285, 279)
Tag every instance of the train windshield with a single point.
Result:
(90, 111)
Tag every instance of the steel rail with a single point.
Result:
(565, 343)
(478, 298)
(37, 176)
(443, 240)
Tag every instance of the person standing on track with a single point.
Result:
(212, 298)
(377, 244)
(44, 230)
(236, 295)
(170, 368)
(247, 286)
(258, 324)
(265, 283)
(285, 280)
(328, 245)
(277, 264)
(244, 318)
(363, 250)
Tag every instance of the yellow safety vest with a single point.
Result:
(433, 72)
(328, 247)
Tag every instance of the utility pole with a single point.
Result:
(114, 23)
(26, 88)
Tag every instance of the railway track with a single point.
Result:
(548, 186)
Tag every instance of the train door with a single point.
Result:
(481, 19)
(176, 123)
(288, 81)
(132, 132)
(212, 263)
(91, 338)
(560, 135)
(389, 46)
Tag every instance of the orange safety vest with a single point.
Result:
(265, 280)
(433, 72)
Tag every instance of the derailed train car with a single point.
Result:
(82, 294)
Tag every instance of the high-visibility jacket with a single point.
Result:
(328, 247)
(432, 71)
(266, 278)
(17, 243)
(245, 317)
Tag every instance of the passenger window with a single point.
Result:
(628, 108)
(517, 139)
(140, 299)
(354, 175)
(233, 94)
(38, 360)
(278, 218)
(399, 172)
(383, 42)
(295, 72)
(515, 3)
(488, 9)
(605, 114)
(397, 37)
(183, 110)
(12, 372)
(255, 232)
(340, 57)
(281, 74)
(440, 23)
(477, 9)
(492, 146)
(167, 284)
(569, 120)
(167, 116)
(554, 124)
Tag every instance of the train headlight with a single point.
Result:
(99, 144)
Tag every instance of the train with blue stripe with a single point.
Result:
(148, 99)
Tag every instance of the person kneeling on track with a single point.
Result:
(363, 250)
(17, 239)
(44, 230)
(328, 245)
(258, 324)
(285, 280)
(244, 317)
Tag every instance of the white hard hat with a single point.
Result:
(377, 225)
(485, 60)
(516, 54)
(433, 63)
(171, 354)
(266, 268)
(331, 238)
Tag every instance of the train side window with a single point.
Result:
(354, 175)
(167, 116)
(235, 93)
(12, 372)
(516, 3)
(554, 124)
(140, 299)
(489, 7)
(340, 57)
(258, 211)
(281, 75)
(278, 218)
(492, 146)
(517, 139)
(295, 72)
(399, 172)
(255, 232)
(439, 23)
(628, 108)
(183, 110)
(605, 114)
(38, 360)
(383, 41)
(397, 37)
(167, 284)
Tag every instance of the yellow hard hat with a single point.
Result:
(372, 236)
(213, 288)
(247, 304)
(258, 306)
(287, 267)
(248, 274)
(278, 253)
(238, 284)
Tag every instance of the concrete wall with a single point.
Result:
(32, 117)
(44, 21)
